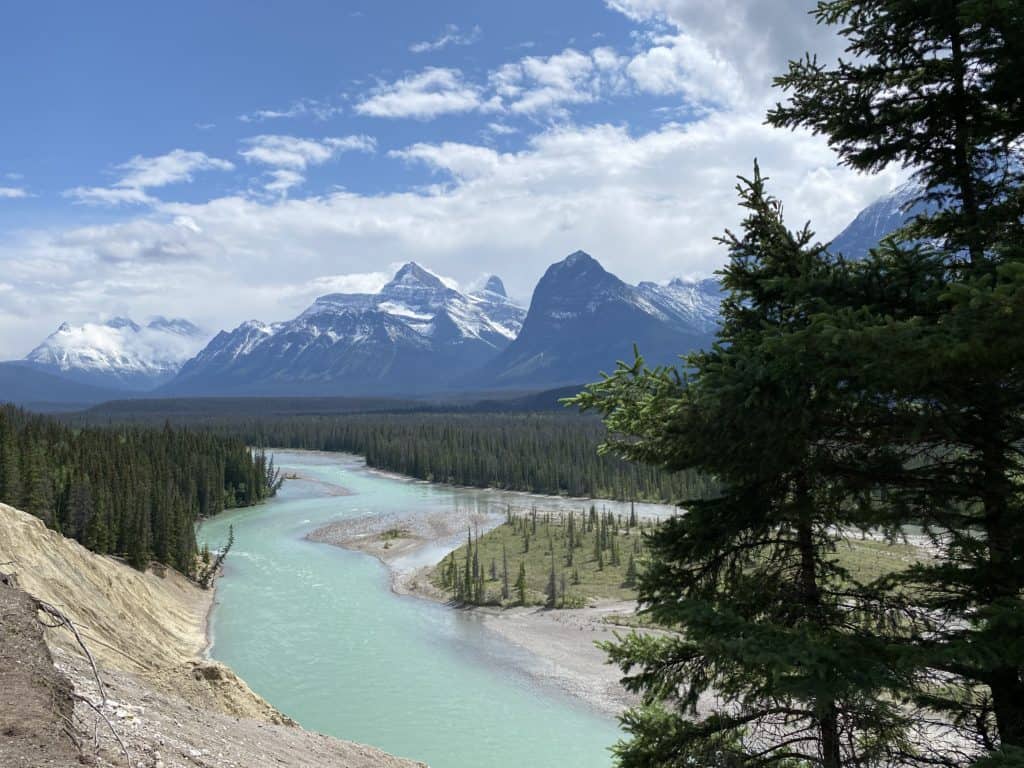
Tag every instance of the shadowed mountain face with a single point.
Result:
(885, 215)
(416, 335)
(24, 384)
(583, 319)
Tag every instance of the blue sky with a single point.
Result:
(226, 160)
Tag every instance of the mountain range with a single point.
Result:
(419, 335)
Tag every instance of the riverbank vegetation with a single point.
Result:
(551, 453)
(885, 392)
(136, 492)
(561, 560)
(567, 560)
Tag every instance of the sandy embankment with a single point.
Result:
(562, 642)
(148, 633)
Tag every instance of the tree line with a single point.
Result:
(136, 492)
(881, 395)
(539, 452)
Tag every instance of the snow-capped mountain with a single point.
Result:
(582, 319)
(119, 354)
(885, 215)
(418, 334)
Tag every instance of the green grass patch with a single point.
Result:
(572, 559)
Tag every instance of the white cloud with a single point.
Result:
(753, 40)
(647, 205)
(142, 173)
(315, 108)
(501, 129)
(683, 64)
(11, 193)
(538, 83)
(298, 153)
(532, 85)
(282, 180)
(427, 94)
(452, 36)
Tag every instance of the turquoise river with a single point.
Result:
(317, 631)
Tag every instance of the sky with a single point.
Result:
(225, 161)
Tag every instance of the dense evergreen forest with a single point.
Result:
(131, 491)
(539, 452)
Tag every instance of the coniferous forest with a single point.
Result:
(136, 492)
(538, 452)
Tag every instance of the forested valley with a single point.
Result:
(131, 491)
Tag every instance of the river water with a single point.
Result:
(317, 631)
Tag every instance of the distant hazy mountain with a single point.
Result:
(583, 319)
(24, 384)
(883, 216)
(118, 354)
(417, 335)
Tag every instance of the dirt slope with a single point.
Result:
(147, 632)
(35, 698)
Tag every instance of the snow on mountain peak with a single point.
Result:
(119, 348)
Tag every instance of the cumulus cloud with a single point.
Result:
(142, 173)
(683, 64)
(547, 83)
(425, 95)
(745, 44)
(452, 36)
(282, 180)
(531, 85)
(290, 156)
(647, 205)
(298, 153)
(11, 193)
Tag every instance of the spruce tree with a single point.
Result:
(808, 682)
(552, 588)
(935, 86)
(521, 583)
(504, 573)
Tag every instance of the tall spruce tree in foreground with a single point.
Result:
(770, 623)
(936, 86)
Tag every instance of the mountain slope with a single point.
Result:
(416, 335)
(118, 354)
(22, 384)
(582, 319)
(885, 215)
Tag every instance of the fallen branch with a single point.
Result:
(113, 730)
(64, 621)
